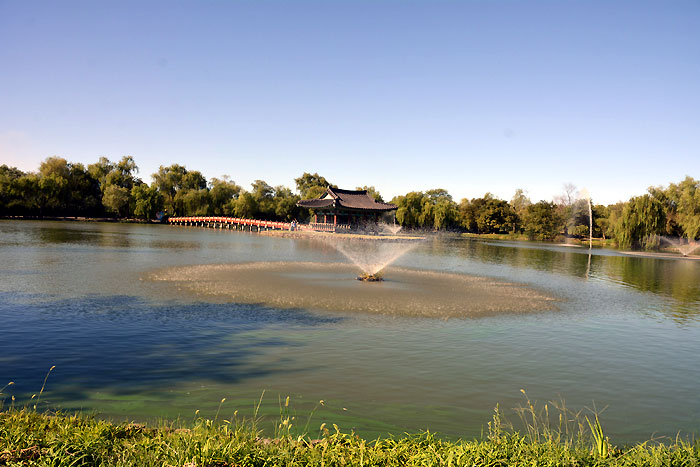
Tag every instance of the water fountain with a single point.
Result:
(372, 255)
(391, 229)
(685, 247)
(329, 286)
(587, 197)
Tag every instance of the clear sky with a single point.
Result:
(470, 96)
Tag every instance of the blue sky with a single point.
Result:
(470, 96)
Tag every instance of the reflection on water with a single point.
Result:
(625, 333)
(678, 279)
(130, 345)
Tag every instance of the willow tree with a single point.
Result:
(410, 207)
(685, 198)
(642, 219)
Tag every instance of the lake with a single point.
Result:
(624, 336)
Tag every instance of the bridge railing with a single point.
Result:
(315, 226)
(230, 220)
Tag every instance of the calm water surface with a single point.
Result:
(626, 335)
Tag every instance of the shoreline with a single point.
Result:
(598, 243)
(28, 437)
(112, 220)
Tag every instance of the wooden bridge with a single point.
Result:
(254, 225)
(233, 223)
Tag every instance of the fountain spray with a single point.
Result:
(584, 193)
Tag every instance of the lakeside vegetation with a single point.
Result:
(28, 437)
(113, 189)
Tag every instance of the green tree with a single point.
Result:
(193, 202)
(520, 202)
(123, 173)
(54, 166)
(147, 201)
(25, 196)
(643, 217)
(438, 211)
(245, 205)
(542, 221)
(173, 182)
(223, 193)
(83, 192)
(410, 207)
(285, 203)
(601, 220)
(8, 189)
(468, 212)
(264, 199)
(312, 186)
(100, 169)
(53, 186)
(684, 201)
(496, 216)
(116, 200)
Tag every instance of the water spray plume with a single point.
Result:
(585, 195)
(392, 229)
(371, 256)
(685, 248)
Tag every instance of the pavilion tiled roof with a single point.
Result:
(349, 199)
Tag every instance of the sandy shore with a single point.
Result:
(333, 287)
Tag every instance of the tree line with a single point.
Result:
(639, 223)
(113, 189)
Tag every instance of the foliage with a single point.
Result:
(542, 221)
(643, 217)
(285, 203)
(147, 201)
(223, 194)
(116, 200)
(488, 215)
(433, 209)
(193, 201)
(246, 206)
(409, 209)
(684, 201)
(312, 186)
(174, 182)
(63, 188)
(520, 202)
(497, 216)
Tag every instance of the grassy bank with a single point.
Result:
(31, 438)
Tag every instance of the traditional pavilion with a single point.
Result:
(345, 209)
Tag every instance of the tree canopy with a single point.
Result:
(106, 188)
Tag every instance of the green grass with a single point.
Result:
(549, 435)
(28, 437)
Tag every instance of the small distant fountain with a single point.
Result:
(685, 247)
(391, 229)
(587, 197)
